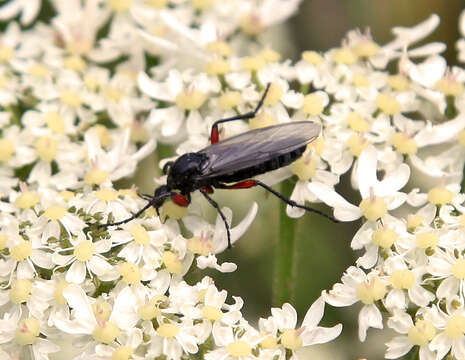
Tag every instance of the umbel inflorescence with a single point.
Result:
(89, 88)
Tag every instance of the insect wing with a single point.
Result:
(257, 146)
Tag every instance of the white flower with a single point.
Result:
(28, 9)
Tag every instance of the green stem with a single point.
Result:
(285, 253)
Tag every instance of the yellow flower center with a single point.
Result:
(200, 245)
(21, 251)
(371, 291)
(106, 332)
(168, 330)
(269, 342)
(74, 62)
(239, 348)
(201, 4)
(190, 99)
(46, 148)
(291, 340)
(384, 237)
(455, 326)
(450, 86)
(229, 100)
(422, 333)
(356, 144)
(402, 279)
(251, 24)
(221, 48)
(122, 353)
(84, 250)
(172, 263)
(55, 212)
(360, 81)
(275, 94)
(252, 63)
(218, 67)
(427, 240)
(270, 55)
(96, 177)
(149, 310)
(458, 269)
(356, 122)
(27, 331)
(107, 195)
(58, 294)
(262, 120)
(55, 122)
(120, 5)
(20, 291)
(312, 57)
(39, 70)
(399, 82)
(7, 149)
(3, 239)
(70, 98)
(366, 49)
(344, 56)
(373, 208)
(172, 210)
(102, 310)
(404, 144)
(130, 273)
(313, 105)
(439, 195)
(6, 53)
(140, 234)
(414, 221)
(113, 94)
(305, 167)
(211, 313)
(387, 104)
(27, 200)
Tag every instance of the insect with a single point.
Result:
(232, 163)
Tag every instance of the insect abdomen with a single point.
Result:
(269, 165)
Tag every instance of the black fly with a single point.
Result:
(231, 163)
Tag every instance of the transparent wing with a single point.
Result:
(257, 146)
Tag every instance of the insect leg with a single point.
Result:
(135, 216)
(250, 183)
(216, 206)
(214, 135)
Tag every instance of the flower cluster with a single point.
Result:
(88, 93)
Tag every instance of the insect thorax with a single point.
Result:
(183, 170)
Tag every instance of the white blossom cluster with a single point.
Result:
(89, 92)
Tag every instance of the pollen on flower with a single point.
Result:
(373, 208)
(356, 144)
(366, 49)
(461, 138)
(291, 339)
(190, 99)
(70, 98)
(270, 55)
(371, 291)
(172, 210)
(7, 149)
(66, 195)
(21, 251)
(113, 94)
(55, 212)
(27, 200)
(398, 82)
(449, 86)
(305, 166)
(221, 48)
(55, 122)
(387, 104)
(229, 100)
(92, 83)
(414, 221)
(172, 262)
(312, 58)
(200, 245)
(140, 234)
(239, 348)
(39, 70)
(264, 119)
(344, 56)
(212, 313)
(27, 331)
(96, 177)
(158, 4)
(404, 144)
(150, 310)
(20, 291)
(313, 105)
(103, 135)
(275, 93)
(356, 122)
(269, 342)
(128, 192)
(458, 269)
(106, 332)
(359, 80)
(422, 333)
(58, 293)
(6, 53)
(75, 62)
(84, 250)
(252, 63)
(402, 279)
(168, 330)
(106, 194)
(218, 67)
(251, 24)
(3, 239)
(130, 273)
(384, 237)
(46, 148)
(427, 239)
(122, 353)
(439, 195)
(102, 310)
(455, 326)
(120, 5)
(201, 4)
